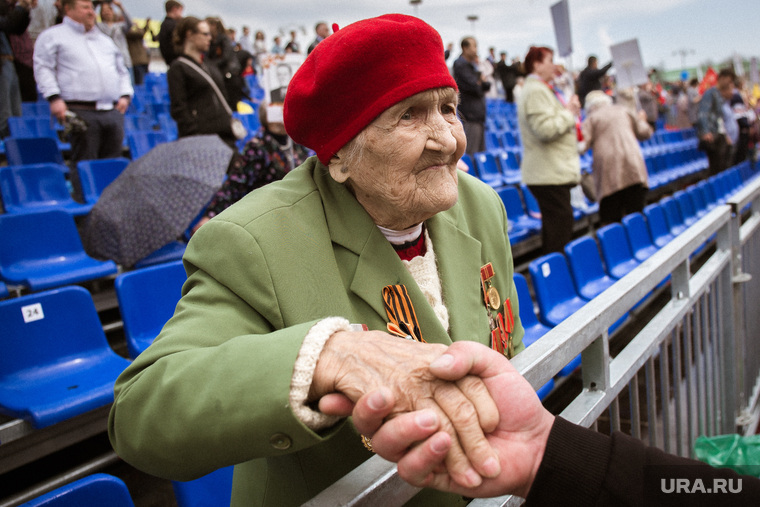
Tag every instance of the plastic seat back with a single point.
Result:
(44, 250)
(38, 187)
(488, 170)
(142, 141)
(639, 236)
(147, 298)
(586, 267)
(686, 207)
(698, 199)
(468, 161)
(168, 126)
(658, 225)
(212, 489)
(673, 215)
(96, 175)
(531, 204)
(554, 288)
(616, 251)
(32, 150)
(96, 489)
(56, 361)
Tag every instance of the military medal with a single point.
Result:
(501, 329)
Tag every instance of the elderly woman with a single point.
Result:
(300, 295)
(612, 131)
(550, 165)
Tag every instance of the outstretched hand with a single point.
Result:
(519, 439)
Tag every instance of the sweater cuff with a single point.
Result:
(303, 372)
(570, 449)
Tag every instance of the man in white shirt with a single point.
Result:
(79, 69)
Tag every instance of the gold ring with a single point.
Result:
(367, 443)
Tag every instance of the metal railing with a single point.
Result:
(693, 369)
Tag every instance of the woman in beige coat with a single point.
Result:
(620, 174)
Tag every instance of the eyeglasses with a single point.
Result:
(205, 34)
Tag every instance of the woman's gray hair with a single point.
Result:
(597, 99)
(353, 151)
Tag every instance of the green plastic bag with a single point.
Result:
(741, 454)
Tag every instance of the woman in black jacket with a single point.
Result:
(196, 105)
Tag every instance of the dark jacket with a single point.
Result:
(472, 92)
(165, 44)
(589, 80)
(195, 106)
(583, 467)
(508, 73)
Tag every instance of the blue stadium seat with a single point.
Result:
(555, 295)
(706, 191)
(586, 267)
(698, 199)
(686, 207)
(137, 122)
(168, 253)
(142, 141)
(38, 187)
(32, 150)
(515, 211)
(658, 225)
(96, 175)
(510, 167)
(36, 126)
(3, 291)
(168, 126)
(210, 490)
(534, 329)
(639, 236)
(56, 361)
(488, 169)
(38, 108)
(468, 160)
(616, 251)
(147, 298)
(555, 292)
(43, 250)
(531, 204)
(673, 215)
(95, 489)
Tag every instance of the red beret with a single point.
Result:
(357, 73)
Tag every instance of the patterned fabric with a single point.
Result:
(155, 198)
(263, 161)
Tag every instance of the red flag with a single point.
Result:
(710, 80)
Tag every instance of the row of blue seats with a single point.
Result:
(564, 283)
(102, 489)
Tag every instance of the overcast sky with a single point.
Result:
(703, 29)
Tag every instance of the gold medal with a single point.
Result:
(493, 298)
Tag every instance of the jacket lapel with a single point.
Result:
(458, 256)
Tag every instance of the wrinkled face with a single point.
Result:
(82, 12)
(405, 170)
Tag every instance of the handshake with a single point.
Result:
(506, 457)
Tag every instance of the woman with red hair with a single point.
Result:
(550, 164)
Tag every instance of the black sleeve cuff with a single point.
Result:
(53, 98)
(574, 466)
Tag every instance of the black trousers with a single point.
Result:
(716, 152)
(556, 216)
(623, 202)
(102, 139)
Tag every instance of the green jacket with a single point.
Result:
(213, 388)
(549, 138)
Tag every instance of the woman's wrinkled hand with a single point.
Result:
(356, 363)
